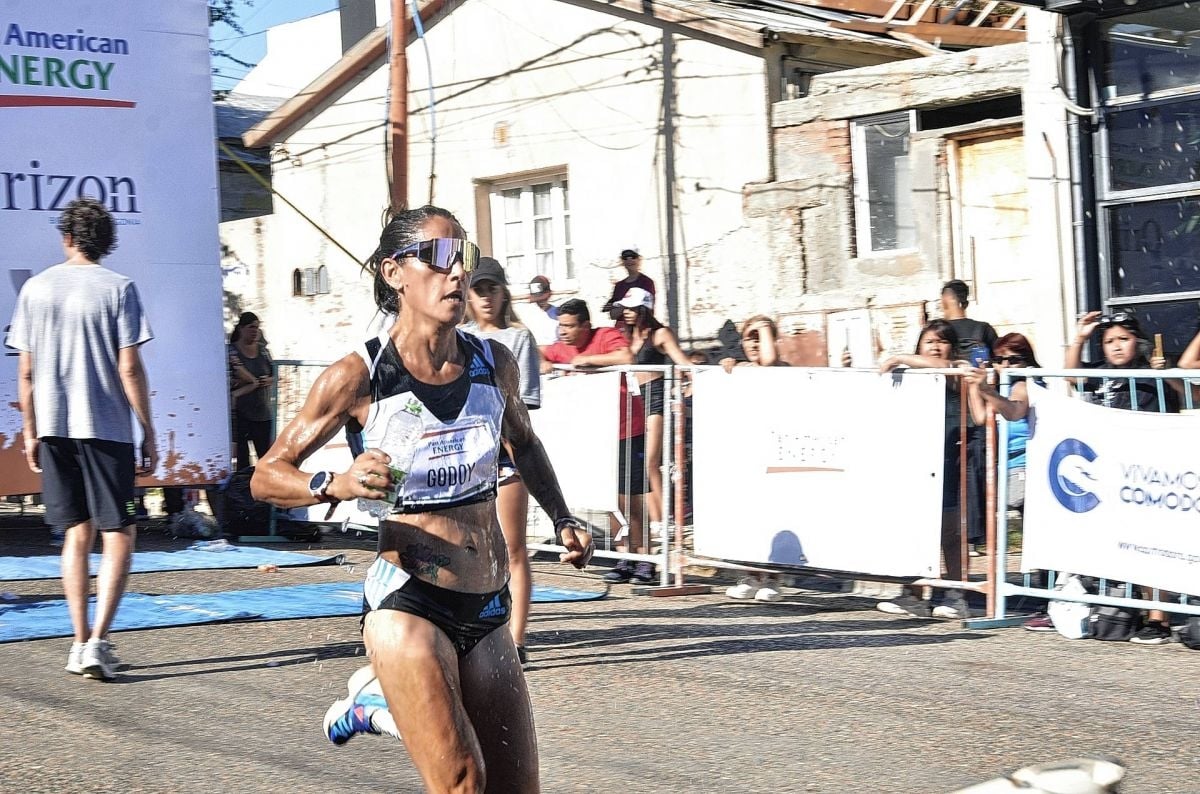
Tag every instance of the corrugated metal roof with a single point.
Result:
(236, 113)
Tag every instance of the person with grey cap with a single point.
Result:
(631, 260)
(490, 316)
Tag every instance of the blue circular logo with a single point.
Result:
(1071, 478)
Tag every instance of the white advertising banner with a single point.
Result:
(825, 469)
(579, 424)
(113, 101)
(1112, 493)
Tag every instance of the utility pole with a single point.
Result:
(668, 132)
(398, 104)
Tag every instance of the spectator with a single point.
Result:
(1011, 350)
(539, 295)
(78, 327)
(976, 340)
(936, 349)
(582, 346)
(490, 315)
(631, 260)
(1125, 345)
(652, 344)
(972, 334)
(253, 373)
(760, 338)
(760, 343)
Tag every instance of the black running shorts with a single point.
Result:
(87, 479)
(631, 466)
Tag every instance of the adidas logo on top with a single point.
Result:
(493, 609)
(478, 368)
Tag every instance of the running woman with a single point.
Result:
(438, 591)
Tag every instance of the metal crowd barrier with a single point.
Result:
(669, 501)
(294, 378)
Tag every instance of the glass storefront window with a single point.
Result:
(1177, 321)
(1154, 247)
(1154, 146)
(1150, 51)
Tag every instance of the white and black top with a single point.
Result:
(455, 459)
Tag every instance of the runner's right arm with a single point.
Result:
(340, 393)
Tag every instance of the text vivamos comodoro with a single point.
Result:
(35, 69)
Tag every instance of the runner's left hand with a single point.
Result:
(578, 542)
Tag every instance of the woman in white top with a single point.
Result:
(490, 315)
(437, 593)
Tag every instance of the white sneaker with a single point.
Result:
(363, 710)
(75, 659)
(768, 592)
(97, 661)
(746, 589)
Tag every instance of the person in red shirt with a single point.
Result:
(582, 346)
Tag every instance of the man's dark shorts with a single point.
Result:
(87, 478)
(631, 466)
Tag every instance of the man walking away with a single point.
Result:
(78, 327)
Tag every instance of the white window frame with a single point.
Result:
(862, 194)
(560, 216)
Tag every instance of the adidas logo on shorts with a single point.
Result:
(494, 609)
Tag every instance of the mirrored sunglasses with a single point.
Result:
(442, 253)
(1117, 318)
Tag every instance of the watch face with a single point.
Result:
(318, 481)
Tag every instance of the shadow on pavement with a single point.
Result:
(227, 664)
(832, 637)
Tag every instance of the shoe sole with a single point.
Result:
(749, 597)
(1155, 641)
(949, 613)
(892, 609)
(358, 681)
(1039, 628)
(97, 673)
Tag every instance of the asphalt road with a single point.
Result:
(632, 693)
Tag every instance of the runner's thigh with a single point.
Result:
(498, 702)
(418, 669)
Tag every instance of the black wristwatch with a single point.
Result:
(318, 486)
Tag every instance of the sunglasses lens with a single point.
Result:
(442, 254)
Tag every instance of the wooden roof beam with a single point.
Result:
(943, 35)
(694, 25)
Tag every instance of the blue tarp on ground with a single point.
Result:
(14, 569)
(37, 620)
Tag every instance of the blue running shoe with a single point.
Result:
(363, 710)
